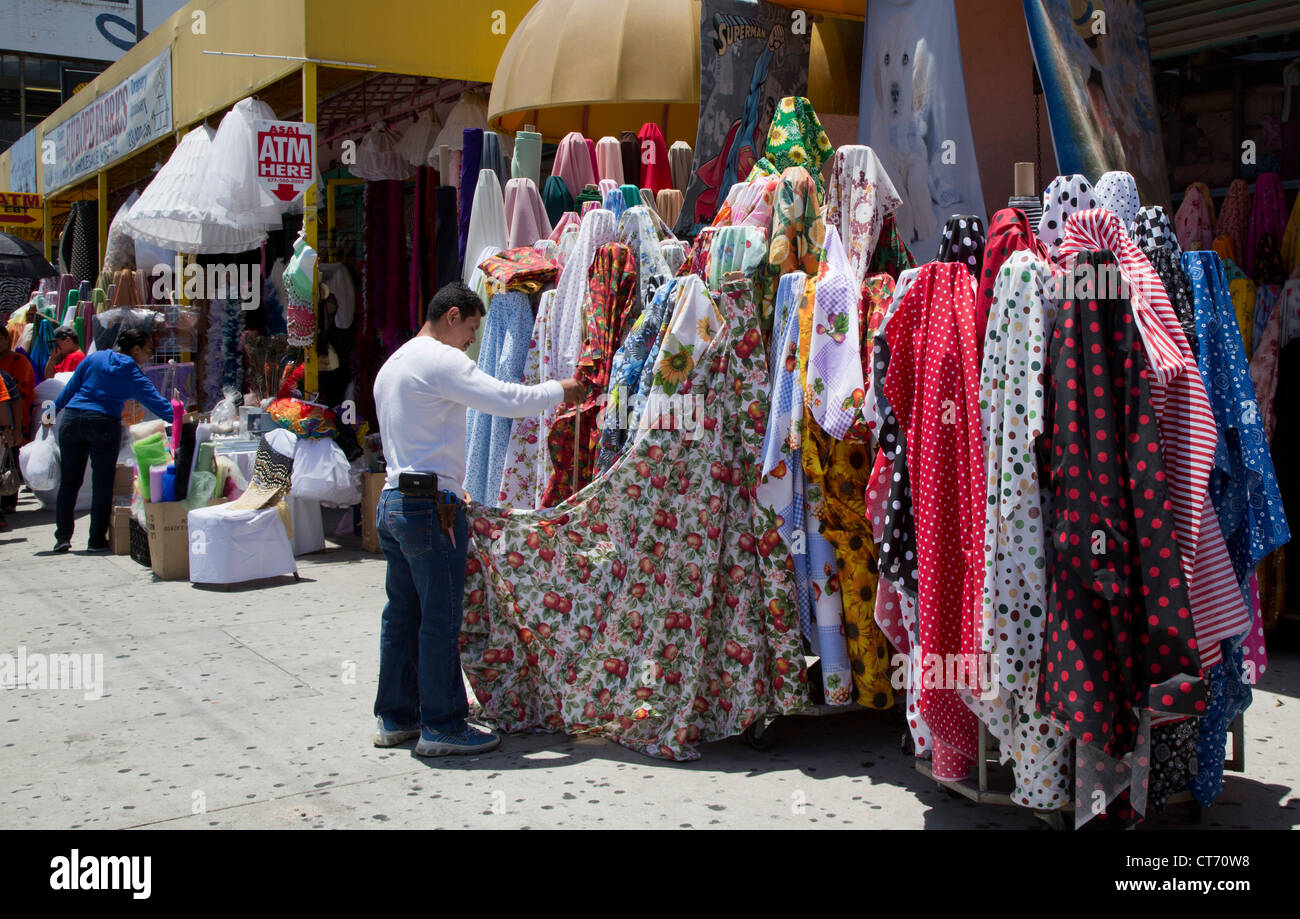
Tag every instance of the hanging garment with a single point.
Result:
(1243, 294)
(1291, 239)
(1195, 221)
(378, 157)
(656, 172)
(385, 275)
(680, 160)
(1243, 484)
(1117, 644)
(557, 336)
(609, 160)
(796, 138)
(610, 309)
(1234, 216)
(470, 167)
(1117, 192)
(1151, 229)
(119, 253)
(1179, 289)
(1010, 231)
(502, 353)
(1268, 266)
(526, 163)
(416, 145)
(1187, 431)
(1267, 217)
(487, 222)
(1013, 393)
(573, 164)
(526, 219)
(1065, 196)
(654, 562)
(470, 111)
(931, 387)
(493, 157)
(859, 197)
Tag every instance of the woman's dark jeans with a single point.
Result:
(98, 437)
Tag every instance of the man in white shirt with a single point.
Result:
(421, 394)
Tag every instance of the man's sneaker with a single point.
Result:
(63, 545)
(391, 737)
(97, 550)
(463, 743)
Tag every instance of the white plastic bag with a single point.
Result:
(39, 461)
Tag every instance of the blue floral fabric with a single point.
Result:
(506, 336)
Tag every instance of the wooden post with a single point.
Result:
(310, 224)
(47, 227)
(101, 182)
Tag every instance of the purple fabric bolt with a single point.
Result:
(471, 154)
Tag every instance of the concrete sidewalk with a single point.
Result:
(252, 709)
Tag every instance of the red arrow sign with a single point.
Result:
(17, 218)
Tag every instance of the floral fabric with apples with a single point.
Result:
(655, 607)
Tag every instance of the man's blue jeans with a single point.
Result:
(419, 653)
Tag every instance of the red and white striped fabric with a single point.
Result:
(1187, 432)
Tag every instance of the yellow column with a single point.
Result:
(47, 227)
(102, 188)
(310, 382)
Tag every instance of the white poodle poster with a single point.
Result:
(913, 114)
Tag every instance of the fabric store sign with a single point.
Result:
(751, 56)
(131, 115)
(286, 157)
(22, 163)
(1101, 101)
(18, 209)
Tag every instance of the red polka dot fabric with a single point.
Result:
(1119, 637)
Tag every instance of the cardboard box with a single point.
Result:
(119, 530)
(167, 523)
(123, 481)
(372, 484)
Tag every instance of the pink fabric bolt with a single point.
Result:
(609, 159)
(526, 220)
(573, 163)
(1267, 216)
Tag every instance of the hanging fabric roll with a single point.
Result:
(470, 166)
(648, 199)
(527, 160)
(1009, 232)
(1234, 217)
(487, 223)
(555, 194)
(493, 157)
(1187, 431)
(1267, 216)
(859, 197)
(630, 148)
(1194, 220)
(1138, 655)
(669, 204)
(1151, 229)
(1291, 239)
(1065, 196)
(502, 354)
(656, 173)
(1117, 192)
(446, 233)
(609, 159)
(573, 164)
(680, 160)
(526, 218)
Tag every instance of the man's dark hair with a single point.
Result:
(65, 332)
(130, 339)
(454, 294)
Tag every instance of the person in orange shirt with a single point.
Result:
(66, 355)
(20, 368)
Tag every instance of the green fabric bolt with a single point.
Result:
(631, 195)
(151, 451)
(796, 138)
(527, 160)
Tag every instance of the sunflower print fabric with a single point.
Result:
(796, 138)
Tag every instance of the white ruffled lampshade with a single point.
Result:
(416, 144)
(378, 158)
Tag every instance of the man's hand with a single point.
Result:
(573, 390)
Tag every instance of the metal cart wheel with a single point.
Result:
(761, 734)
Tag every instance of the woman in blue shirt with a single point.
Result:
(90, 426)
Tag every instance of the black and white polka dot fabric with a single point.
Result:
(1065, 196)
(1152, 230)
(1117, 192)
(963, 241)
